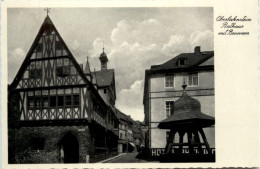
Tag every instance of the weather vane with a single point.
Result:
(47, 10)
(103, 46)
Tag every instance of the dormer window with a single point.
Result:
(181, 62)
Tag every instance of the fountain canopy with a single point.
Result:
(187, 114)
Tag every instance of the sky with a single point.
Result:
(134, 39)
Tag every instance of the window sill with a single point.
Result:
(193, 86)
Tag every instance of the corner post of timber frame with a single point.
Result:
(205, 140)
(170, 141)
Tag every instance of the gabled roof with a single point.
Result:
(104, 77)
(192, 59)
(47, 25)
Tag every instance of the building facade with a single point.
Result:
(56, 113)
(125, 142)
(163, 86)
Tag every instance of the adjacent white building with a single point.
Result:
(163, 86)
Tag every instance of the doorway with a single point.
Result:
(69, 148)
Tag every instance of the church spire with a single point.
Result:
(87, 71)
(103, 59)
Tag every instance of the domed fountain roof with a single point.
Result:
(187, 113)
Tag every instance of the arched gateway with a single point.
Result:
(69, 149)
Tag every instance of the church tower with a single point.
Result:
(103, 59)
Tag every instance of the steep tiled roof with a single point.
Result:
(192, 59)
(104, 77)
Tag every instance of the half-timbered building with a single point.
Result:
(56, 113)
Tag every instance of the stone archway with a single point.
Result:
(69, 147)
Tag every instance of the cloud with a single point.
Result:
(129, 100)
(180, 43)
(136, 45)
(130, 61)
(176, 45)
(204, 39)
(144, 32)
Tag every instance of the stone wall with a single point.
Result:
(24, 152)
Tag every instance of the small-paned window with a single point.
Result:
(63, 71)
(68, 100)
(75, 100)
(35, 74)
(60, 101)
(38, 73)
(169, 108)
(45, 101)
(38, 143)
(52, 101)
(38, 102)
(30, 102)
(169, 80)
(193, 79)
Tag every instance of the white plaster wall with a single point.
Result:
(158, 110)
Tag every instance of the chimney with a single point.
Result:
(197, 50)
